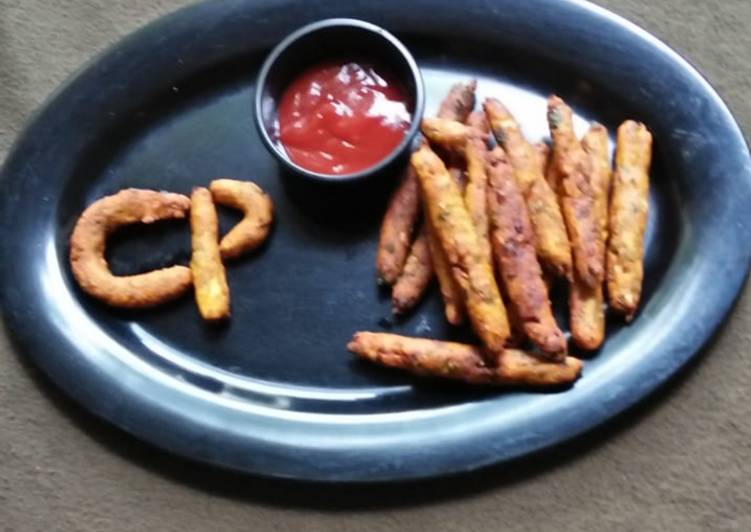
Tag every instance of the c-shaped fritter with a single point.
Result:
(88, 241)
(257, 211)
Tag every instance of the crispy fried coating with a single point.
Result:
(456, 106)
(453, 303)
(479, 121)
(458, 238)
(257, 209)
(573, 172)
(587, 313)
(434, 358)
(89, 238)
(512, 239)
(415, 277)
(209, 278)
(448, 134)
(475, 193)
(628, 217)
(551, 239)
(397, 228)
(459, 101)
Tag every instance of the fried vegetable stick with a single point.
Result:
(257, 209)
(434, 358)
(587, 314)
(459, 102)
(628, 217)
(450, 292)
(479, 121)
(573, 173)
(551, 240)
(448, 134)
(397, 227)
(459, 240)
(512, 239)
(457, 106)
(89, 238)
(209, 279)
(475, 193)
(417, 273)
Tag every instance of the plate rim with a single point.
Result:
(413, 464)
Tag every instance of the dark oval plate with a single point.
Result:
(275, 392)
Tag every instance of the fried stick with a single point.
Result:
(397, 227)
(433, 358)
(573, 173)
(417, 273)
(512, 239)
(628, 217)
(209, 279)
(459, 240)
(89, 238)
(587, 314)
(551, 240)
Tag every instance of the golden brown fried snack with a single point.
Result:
(573, 172)
(433, 358)
(448, 134)
(417, 273)
(479, 121)
(587, 313)
(209, 279)
(512, 239)
(551, 239)
(257, 211)
(628, 217)
(89, 238)
(459, 102)
(397, 227)
(475, 193)
(595, 145)
(450, 291)
(459, 240)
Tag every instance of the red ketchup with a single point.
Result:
(343, 117)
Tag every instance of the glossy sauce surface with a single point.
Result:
(342, 117)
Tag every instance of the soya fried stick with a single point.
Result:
(433, 358)
(475, 193)
(459, 240)
(459, 102)
(450, 292)
(209, 278)
(252, 230)
(457, 105)
(587, 315)
(88, 241)
(397, 227)
(628, 217)
(448, 134)
(572, 172)
(479, 121)
(551, 239)
(417, 273)
(512, 240)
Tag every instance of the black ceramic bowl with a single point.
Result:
(325, 40)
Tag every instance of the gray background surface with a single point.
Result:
(682, 461)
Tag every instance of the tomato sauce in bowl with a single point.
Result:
(341, 117)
